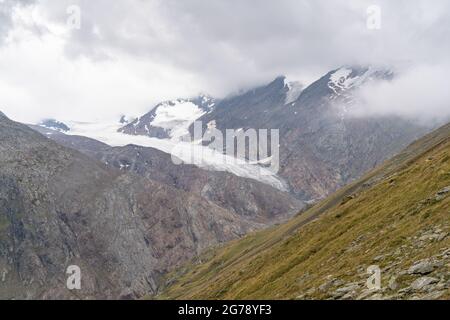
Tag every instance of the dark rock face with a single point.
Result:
(321, 147)
(249, 199)
(251, 109)
(59, 207)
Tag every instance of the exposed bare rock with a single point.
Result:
(59, 207)
(422, 267)
(423, 282)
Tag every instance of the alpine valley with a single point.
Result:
(142, 219)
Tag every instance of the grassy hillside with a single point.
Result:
(396, 217)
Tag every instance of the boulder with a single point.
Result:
(422, 267)
(422, 282)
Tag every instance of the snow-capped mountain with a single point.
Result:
(54, 125)
(344, 79)
(171, 119)
(321, 148)
(124, 120)
(255, 108)
(168, 213)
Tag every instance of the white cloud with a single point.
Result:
(419, 93)
(130, 54)
(38, 79)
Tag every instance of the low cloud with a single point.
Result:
(419, 93)
(130, 54)
(7, 8)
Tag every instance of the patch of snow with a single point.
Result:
(176, 117)
(294, 90)
(342, 80)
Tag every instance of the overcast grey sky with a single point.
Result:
(129, 54)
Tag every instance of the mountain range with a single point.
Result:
(323, 146)
(131, 215)
(84, 203)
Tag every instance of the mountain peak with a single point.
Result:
(349, 77)
(277, 84)
(280, 80)
(54, 125)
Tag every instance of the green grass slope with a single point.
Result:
(396, 217)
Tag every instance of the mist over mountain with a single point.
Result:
(134, 55)
(417, 93)
(323, 143)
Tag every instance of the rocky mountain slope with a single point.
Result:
(323, 145)
(59, 207)
(396, 218)
(251, 200)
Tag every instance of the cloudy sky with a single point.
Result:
(123, 56)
